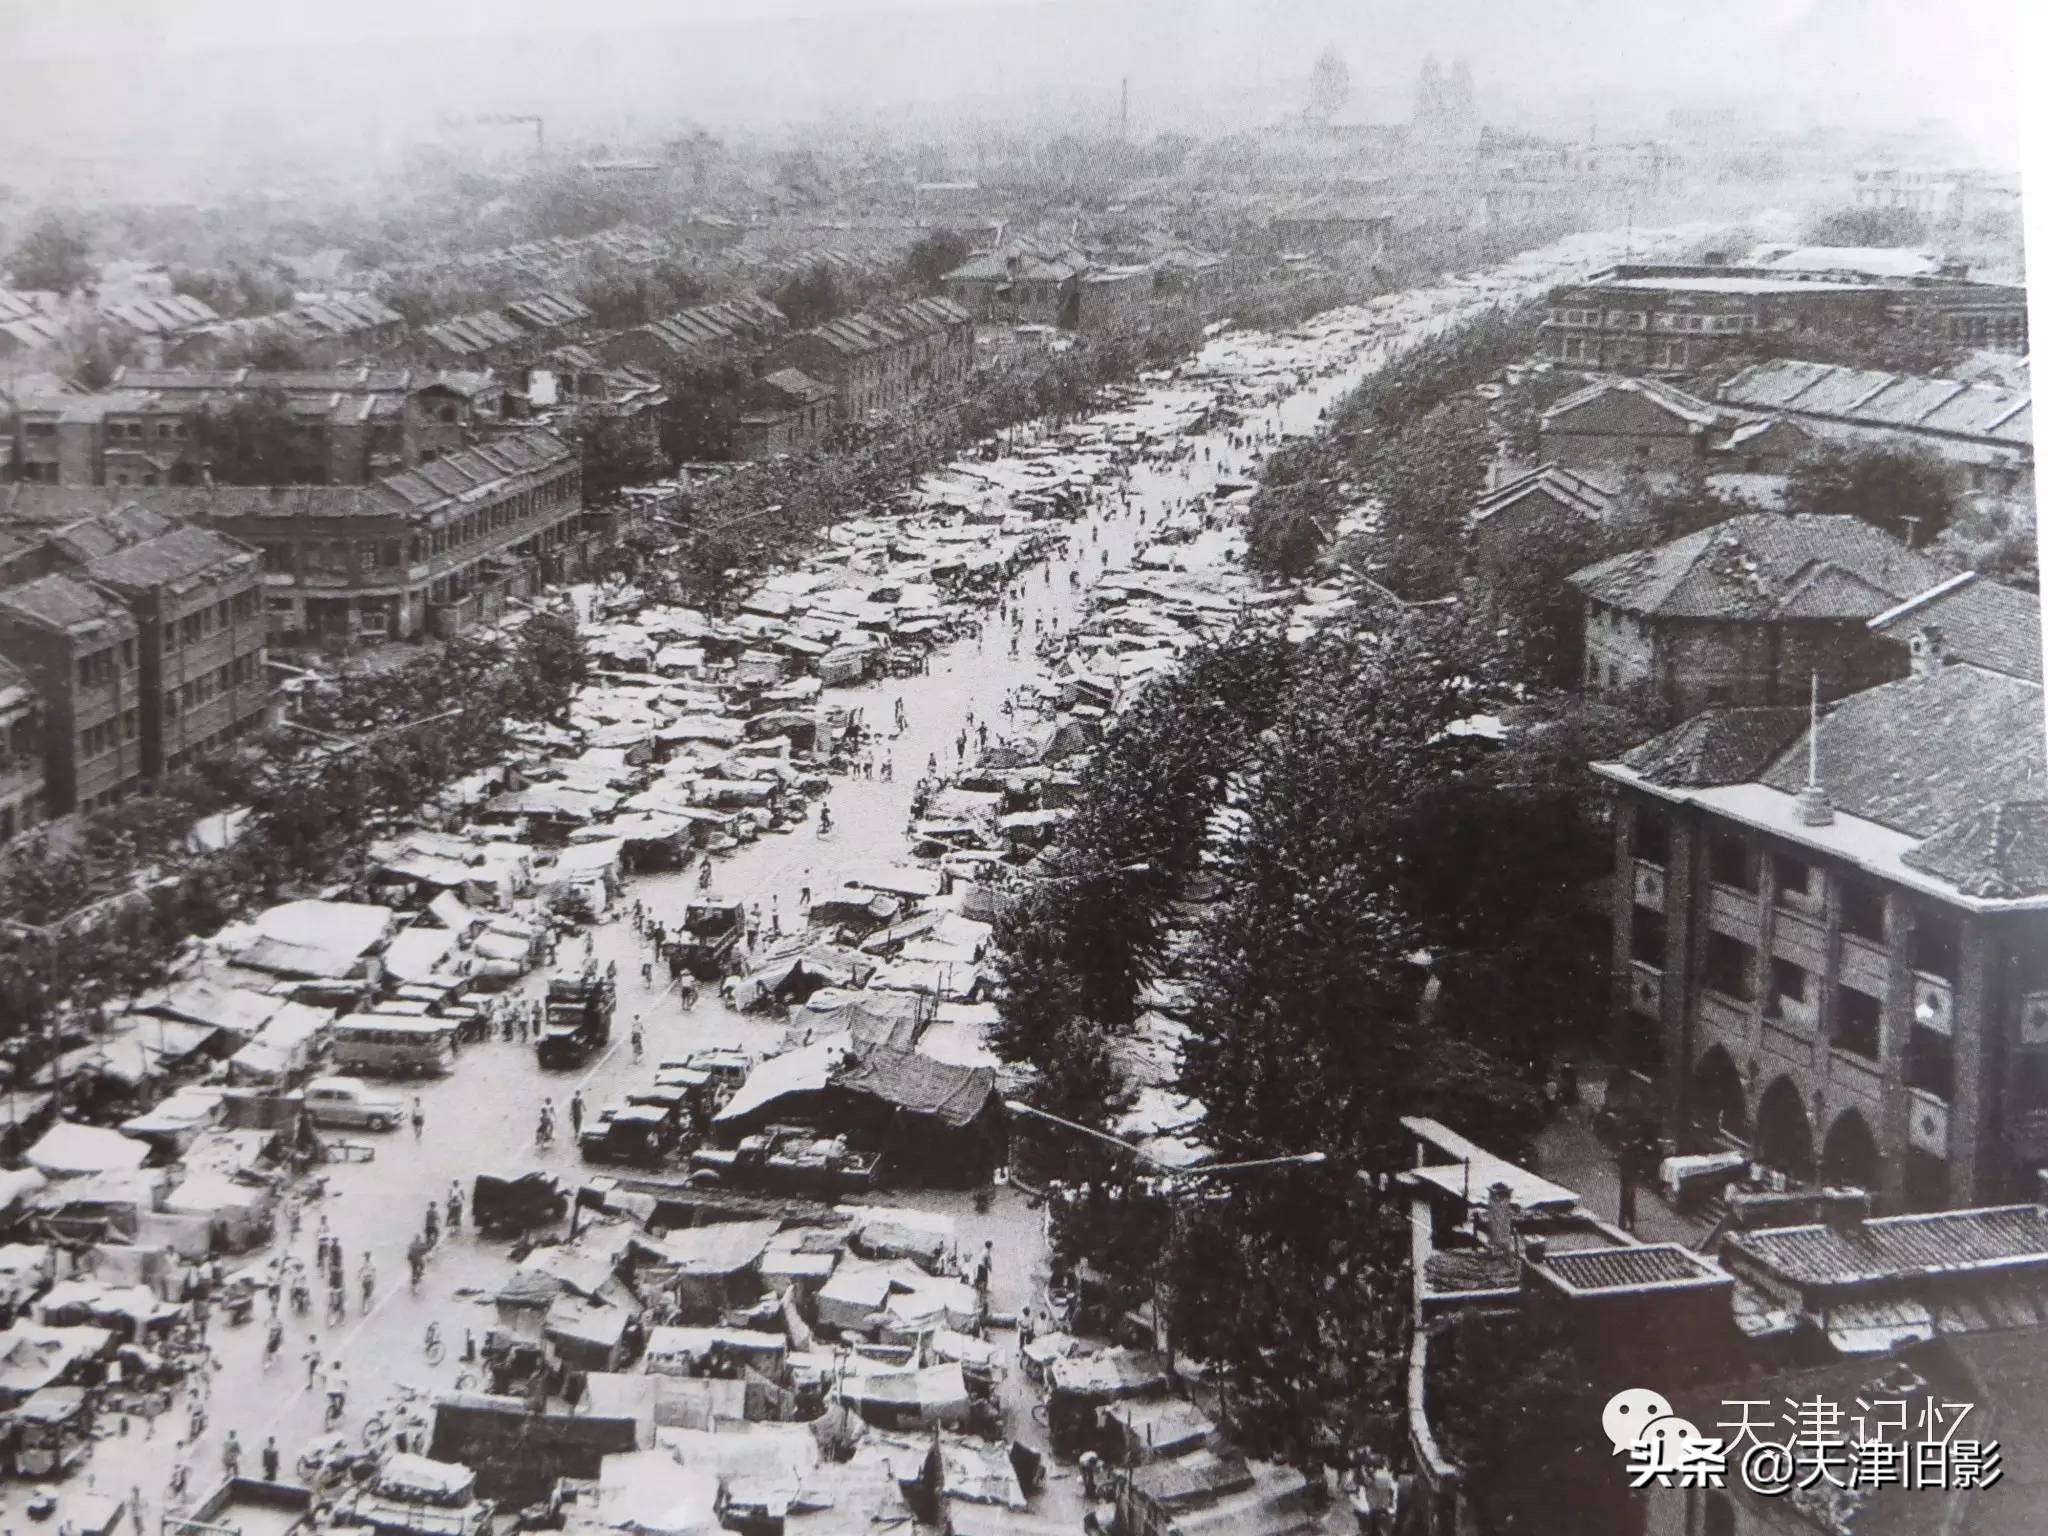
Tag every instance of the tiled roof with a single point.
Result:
(1893, 1247)
(467, 335)
(1920, 754)
(63, 602)
(1690, 409)
(1998, 851)
(1581, 494)
(1472, 1269)
(162, 316)
(1750, 566)
(796, 384)
(1616, 1269)
(179, 555)
(1981, 622)
(1866, 397)
(1721, 745)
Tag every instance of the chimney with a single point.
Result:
(1926, 648)
(1500, 1219)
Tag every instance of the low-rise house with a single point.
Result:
(1333, 222)
(1647, 426)
(21, 753)
(1985, 432)
(881, 360)
(1749, 611)
(1021, 282)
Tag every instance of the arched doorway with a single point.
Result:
(1849, 1155)
(1717, 1105)
(1784, 1136)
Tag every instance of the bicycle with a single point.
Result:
(435, 1350)
(337, 1307)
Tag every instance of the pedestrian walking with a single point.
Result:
(231, 1455)
(639, 1040)
(270, 1459)
(576, 1113)
(419, 1118)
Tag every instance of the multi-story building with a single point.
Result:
(1984, 432)
(1024, 282)
(21, 752)
(426, 550)
(784, 412)
(197, 600)
(1675, 317)
(515, 332)
(693, 338)
(326, 332)
(349, 425)
(882, 360)
(1939, 195)
(1749, 611)
(1831, 928)
(79, 648)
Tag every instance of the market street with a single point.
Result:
(482, 1118)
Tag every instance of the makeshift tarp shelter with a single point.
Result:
(713, 1266)
(283, 1048)
(237, 1212)
(67, 1151)
(204, 1000)
(913, 1399)
(33, 1357)
(650, 1493)
(714, 1351)
(320, 940)
(425, 955)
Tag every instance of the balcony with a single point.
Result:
(1649, 885)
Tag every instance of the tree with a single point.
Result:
(618, 451)
(1329, 84)
(1426, 479)
(703, 404)
(1995, 537)
(810, 298)
(933, 257)
(1287, 530)
(551, 667)
(1901, 490)
(1868, 226)
(252, 440)
(54, 254)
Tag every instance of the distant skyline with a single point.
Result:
(190, 79)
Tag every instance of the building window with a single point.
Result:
(1646, 936)
(1727, 969)
(1862, 910)
(1729, 863)
(1791, 996)
(1650, 836)
(1859, 1023)
(1799, 884)
(1930, 1062)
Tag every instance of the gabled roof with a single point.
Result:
(544, 310)
(1923, 753)
(64, 603)
(1569, 489)
(1688, 409)
(1980, 622)
(1987, 413)
(1720, 745)
(467, 335)
(179, 555)
(796, 385)
(1763, 566)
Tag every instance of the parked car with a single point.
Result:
(350, 1101)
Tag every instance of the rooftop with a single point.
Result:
(1592, 1270)
(1763, 566)
(182, 554)
(1905, 402)
(1898, 1247)
(1979, 622)
(1720, 745)
(64, 603)
(1690, 409)
(1580, 493)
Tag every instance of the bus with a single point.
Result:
(394, 1045)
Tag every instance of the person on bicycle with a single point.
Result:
(545, 1133)
(416, 1261)
(419, 1118)
(433, 1345)
(337, 1400)
(273, 1343)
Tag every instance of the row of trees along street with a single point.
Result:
(97, 917)
(1317, 796)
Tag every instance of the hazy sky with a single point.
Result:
(165, 76)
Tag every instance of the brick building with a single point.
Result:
(1675, 317)
(79, 648)
(881, 360)
(1024, 282)
(21, 752)
(326, 332)
(1650, 426)
(783, 412)
(1831, 943)
(350, 425)
(197, 600)
(708, 334)
(1746, 612)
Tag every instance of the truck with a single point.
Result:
(579, 1019)
(710, 942)
(786, 1160)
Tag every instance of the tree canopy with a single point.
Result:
(1902, 490)
(251, 441)
(54, 253)
(933, 257)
